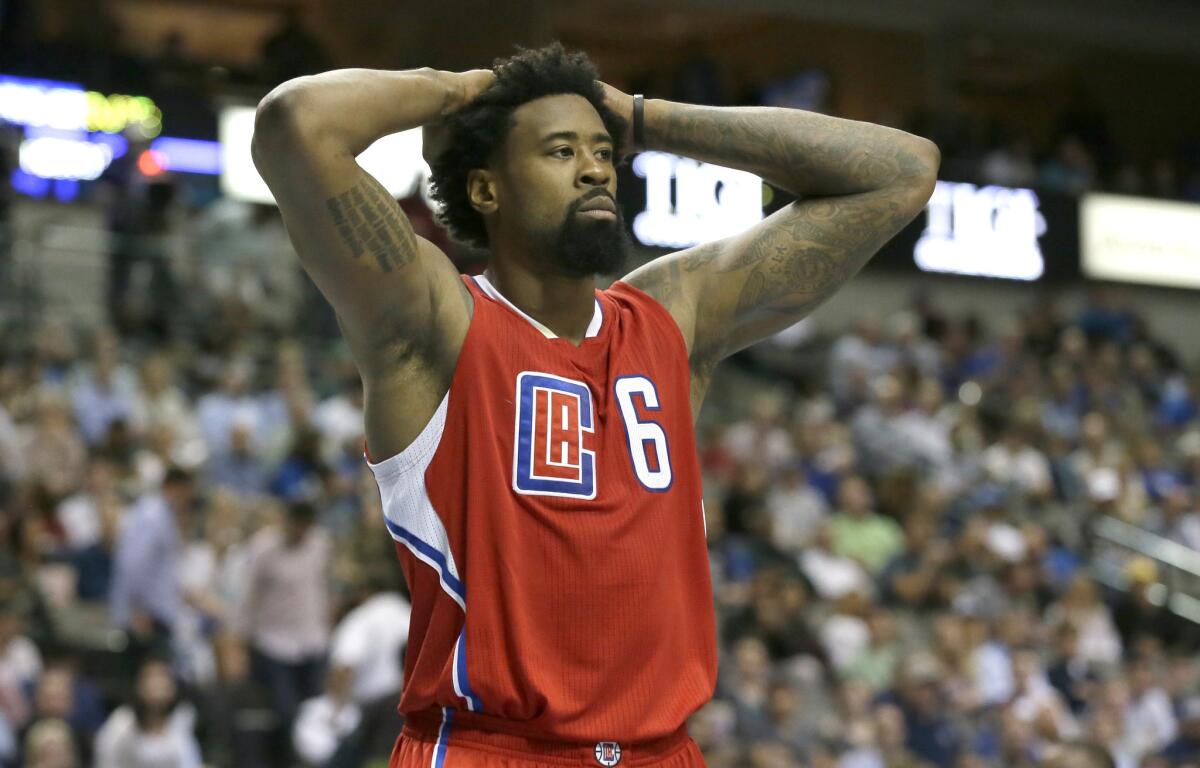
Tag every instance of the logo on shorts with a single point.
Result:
(608, 753)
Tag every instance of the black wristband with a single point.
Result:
(639, 133)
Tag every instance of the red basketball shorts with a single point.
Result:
(457, 748)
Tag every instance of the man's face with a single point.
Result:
(557, 159)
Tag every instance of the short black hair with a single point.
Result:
(478, 130)
(302, 511)
(177, 476)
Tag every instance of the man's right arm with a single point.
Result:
(399, 301)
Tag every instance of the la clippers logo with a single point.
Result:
(554, 415)
(608, 753)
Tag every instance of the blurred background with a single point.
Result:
(953, 517)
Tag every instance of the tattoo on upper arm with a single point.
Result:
(370, 221)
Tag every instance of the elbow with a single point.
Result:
(925, 161)
(930, 151)
(931, 158)
(277, 118)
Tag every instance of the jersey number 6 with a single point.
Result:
(647, 440)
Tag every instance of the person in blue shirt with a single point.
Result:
(145, 596)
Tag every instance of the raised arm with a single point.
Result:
(859, 185)
(399, 302)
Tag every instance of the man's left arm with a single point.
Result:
(858, 184)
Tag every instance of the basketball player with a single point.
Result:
(532, 436)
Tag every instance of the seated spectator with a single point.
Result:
(1185, 747)
(1137, 617)
(860, 533)
(1072, 675)
(50, 744)
(154, 730)
(1149, 716)
(326, 722)
(1099, 642)
(63, 695)
(367, 648)
(20, 669)
(831, 574)
(911, 576)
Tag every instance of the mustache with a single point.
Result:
(593, 195)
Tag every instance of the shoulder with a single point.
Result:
(264, 540)
(628, 296)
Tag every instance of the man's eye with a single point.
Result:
(606, 154)
(562, 149)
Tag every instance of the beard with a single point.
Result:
(583, 246)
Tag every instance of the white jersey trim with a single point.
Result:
(593, 328)
(407, 510)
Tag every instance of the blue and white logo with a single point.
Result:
(608, 753)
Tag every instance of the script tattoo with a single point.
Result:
(370, 221)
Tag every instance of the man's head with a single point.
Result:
(526, 155)
(179, 489)
(155, 691)
(299, 518)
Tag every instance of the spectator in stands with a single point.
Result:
(160, 400)
(880, 435)
(762, 440)
(53, 453)
(831, 574)
(1137, 616)
(323, 734)
(860, 533)
(1149, 715)
(366, 657)
(284, 612)
(20, 670)
(50, 744)
(240, 469)
(105, 391)
(63, 694)
(291, 51)
(932, 734)
(145, 597)
(1099, 642)
(857, 358)
(911, 577)
(1074, 676)
(154, 730)
(1185, 747)
(91, 521)
(1010, 164)
(1071, 170)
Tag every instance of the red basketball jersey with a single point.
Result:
(548, 520)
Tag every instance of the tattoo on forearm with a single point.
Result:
(799, 263)
(803, 152)
(370, 222)
(701, 257)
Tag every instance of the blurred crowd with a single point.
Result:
(193, 566)
(905, 556)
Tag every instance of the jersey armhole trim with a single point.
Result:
(419, 451)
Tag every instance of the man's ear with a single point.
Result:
(481, 190)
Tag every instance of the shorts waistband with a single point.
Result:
(468, 729)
